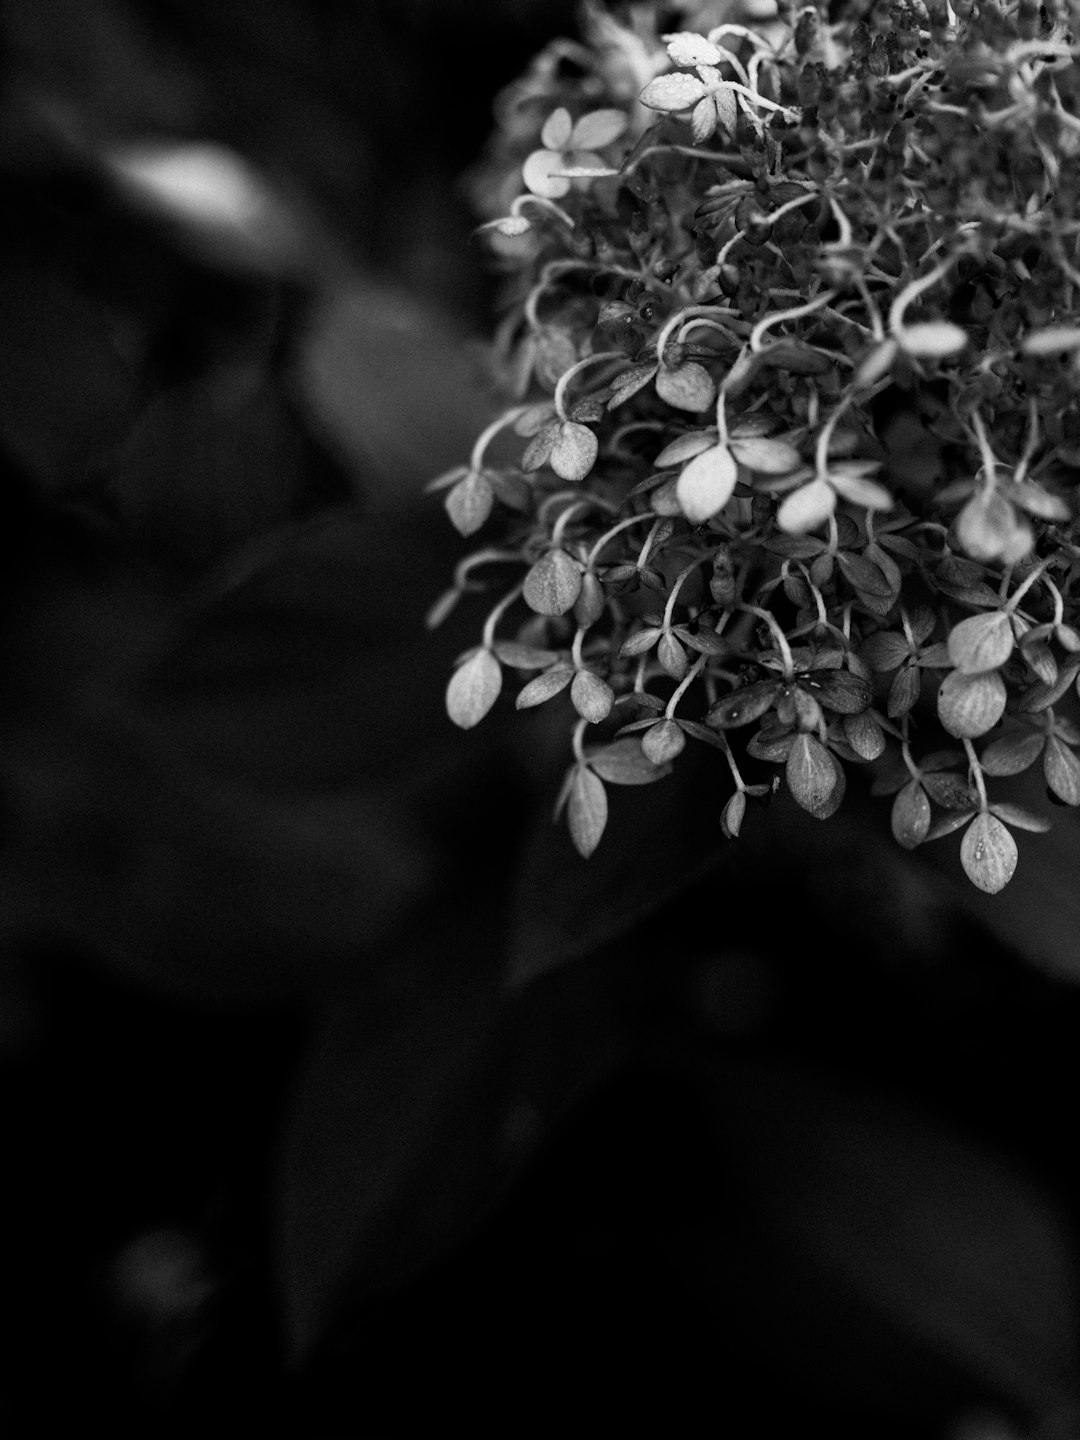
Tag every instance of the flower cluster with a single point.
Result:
(789, 457)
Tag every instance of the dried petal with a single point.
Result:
(473, 689)
(623, 763)
(586, 811)
(988, 528)
(672, 656)
(469, 503)
(688, 48)
(590, 604)
(673, 92)
(538, 173)
(597, 129)
(557, 130)
(876, 364)
(933, 340)
(970, 705)
(553, 584)
(910, 816)
(1062, 771)
(663, 742)
(732, 817)
(807, 508)
(685, 447)
(1012, 754)
(630, 382)
(988, 853)
(641, 641)
(539, 448)
(813, 776)
(768, 456)
(574, 451)
(705, 486)
(592, 697)
(864, 735)
(703, 120)
(858, 490)
(981, 642)
(903, 692)
(544, 686)
(1053, 340)
(686, 387)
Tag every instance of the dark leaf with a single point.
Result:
(864, 735)
(837, 690)
(886, 650)
(903, 692)
(951, 792)
(630, 382)
(744, 705)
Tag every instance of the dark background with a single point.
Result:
(283, 1154)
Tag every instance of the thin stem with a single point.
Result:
(683, 575)
(590, 559)
(476, 459)
(781, 315)
(488, 638)
(913, 290)
(977, 774)
(821, 450)
(989, 459)
(541, 203)
(1022, 589)
(689, 312)
(481, 557)
(778, 635)
(684, 685)
(577, 742)
(559, 528)
(1059, 602)
(576, 369)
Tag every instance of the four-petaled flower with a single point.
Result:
(710, 96)
(570, 145)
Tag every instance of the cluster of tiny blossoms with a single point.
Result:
(792, 359)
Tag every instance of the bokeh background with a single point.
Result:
(786, 1141)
